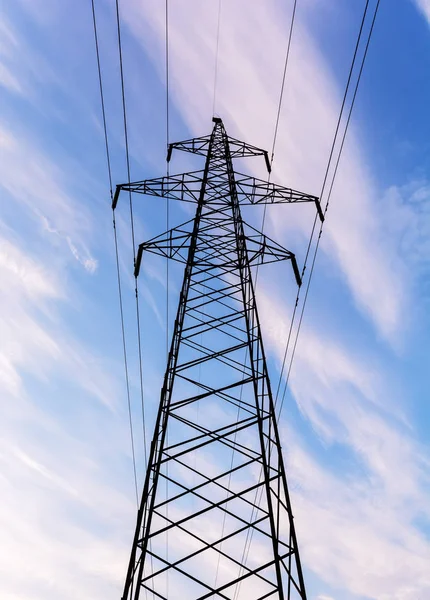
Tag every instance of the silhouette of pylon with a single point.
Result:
(215, 519)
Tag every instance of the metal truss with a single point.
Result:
(215, 519)
(175, 243)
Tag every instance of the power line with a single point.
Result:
(139, 336)
(166, 24)
(167, 261)
(136, 290)
(281, 95)
(322, 192)
(272, 156)
(329, 197)
(124, 114)
(121, 310)
(102, 98)
(116, 246)
(244, 557)
(216, 56)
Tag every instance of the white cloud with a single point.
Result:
(43, 553)
(23, 77)
(8, 80)
(424, 7)
(407, 210)
(354, 537)
(59, 448)
(21, 271)
(357, 526)
(26, 283)
(8, 46)
(37, 183)
(34, 340)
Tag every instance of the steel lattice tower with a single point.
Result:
(215, 519)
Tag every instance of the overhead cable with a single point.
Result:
(139, 336)
(116, 249)
(167, 261)
(329, 197)
(216, 56)
(329, 162)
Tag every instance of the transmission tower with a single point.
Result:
(215, 519)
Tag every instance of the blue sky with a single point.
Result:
(355, 425)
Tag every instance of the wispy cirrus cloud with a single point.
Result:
(42, 553)
(27, 77)
(24, 341)
(54, 389)
(34, 339)
(424, 7)
(407, 217)
(35, 181)
(58, 394)
(8, 46)
(353, 515)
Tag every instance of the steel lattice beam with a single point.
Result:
(228, 525)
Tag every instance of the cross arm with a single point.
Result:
(263, 250)
(200, 146)
(240, 149)
(185, 186)
(174, 244)
(195, 146)
(258, 191)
